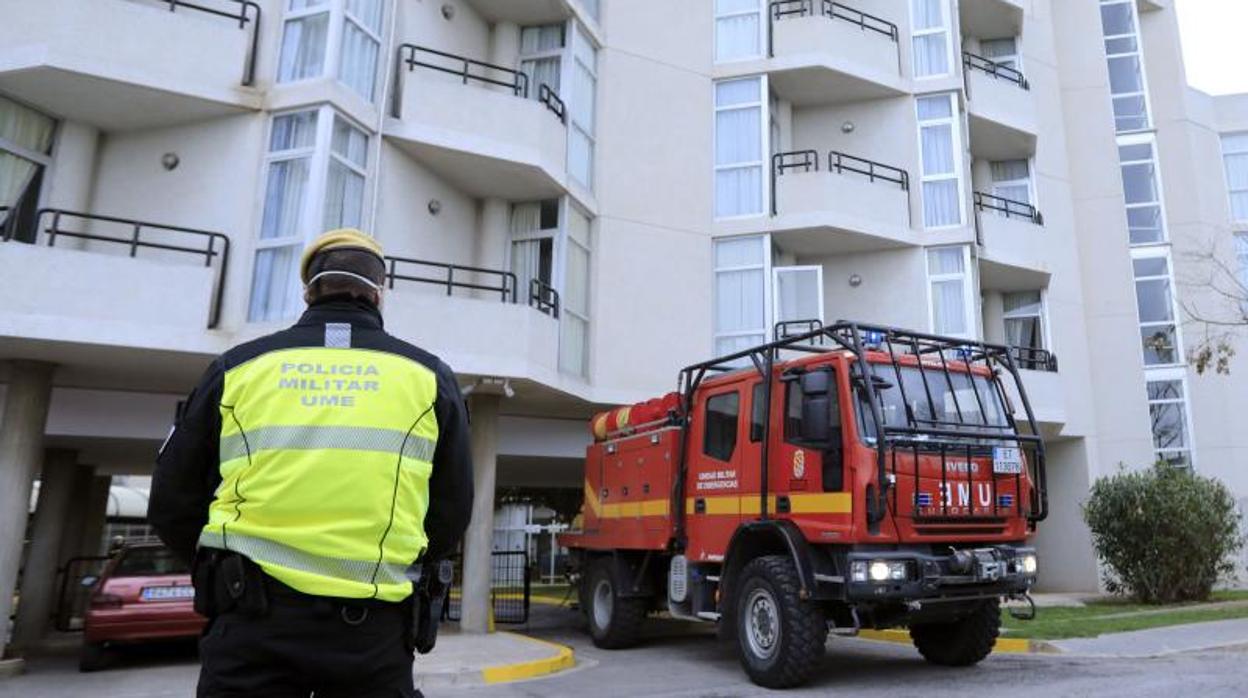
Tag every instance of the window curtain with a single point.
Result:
(30, 130)
(1022, 320)
(1001, 51)
(931, 51)
(797, 295)
(358, 65)
(573, 321)
(541, 71)
(548, 37)
(738, 190)
(273, 294)
(344, 197)
(737, 37)
(526, 255)
(949, 307)
(739, 297)
(283, 199)
(940, 196)
(1011, 180)
(303, 48)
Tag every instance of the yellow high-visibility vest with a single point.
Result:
(325, 463)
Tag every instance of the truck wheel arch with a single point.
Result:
(766, 537)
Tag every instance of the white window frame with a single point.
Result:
(765, 267)
(1239, 242)
(760, 11)
(1156, 252)
(312, 213)
(573, 34)
(1178, 375)
(561, 53)
(1029, 181)
(1138, 53)
(945, 28)
(764, 149)
(954, 120)
(775, 286)
(970, 293)
(1149, 139)
(338, 16)
(1016, 57)
(1042, 315)
(1238, 224)
(563, 243)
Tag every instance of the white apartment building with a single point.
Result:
(578, 197)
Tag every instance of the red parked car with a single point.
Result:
(143, 594)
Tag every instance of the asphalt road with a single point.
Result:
(683, 660)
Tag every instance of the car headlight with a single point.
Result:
(1029, 564)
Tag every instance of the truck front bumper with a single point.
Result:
(902, 575)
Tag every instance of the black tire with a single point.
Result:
(780, 636)
(614, 621)
(963, 642)
(94, 656)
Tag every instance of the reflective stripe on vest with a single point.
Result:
(362, 571)
(325, 459)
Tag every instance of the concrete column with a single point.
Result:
(71, 181)
(96, 515)
(491, 249)
(76, 516)
(38, 591)
(505, 48)
(21, 447)
(479, 540)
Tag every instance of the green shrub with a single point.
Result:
(1164, 534)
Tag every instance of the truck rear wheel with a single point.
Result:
(963, 642)
(780, 636)
(614, 621)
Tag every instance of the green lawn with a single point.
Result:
(1112, 616)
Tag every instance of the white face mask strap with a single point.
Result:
(332, 272)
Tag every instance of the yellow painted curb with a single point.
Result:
(1005, 645)
(563, 659)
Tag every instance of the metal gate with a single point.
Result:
(72, 597)
(509, 587)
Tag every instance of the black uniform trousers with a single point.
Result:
(308, 645)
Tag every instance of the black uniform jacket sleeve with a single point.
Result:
(450, 485)
(188, 469)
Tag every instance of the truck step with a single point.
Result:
(708, 615)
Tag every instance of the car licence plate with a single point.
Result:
(167, 593)
(1007, 460)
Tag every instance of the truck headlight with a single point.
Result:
(1028, 564)
(880, 571)
(858, 571)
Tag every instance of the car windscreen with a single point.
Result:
(937, 400)
(143, 562)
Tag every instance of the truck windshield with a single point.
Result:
(960, 401)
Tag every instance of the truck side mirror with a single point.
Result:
(816, 383)
(816, 418)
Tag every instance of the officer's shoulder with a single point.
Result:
(242, 353)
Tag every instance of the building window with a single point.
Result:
(1127, 84)
(720, 439)
(930, 22)
(739, 135)
(947, 272)
(741, 266)
(941, 152)
(1003, 52)
(1011, 179)
(581, 109)
(361, 44)
(1142, 190)
(797, 293)
(1024, 324)
(738, 30)
(307, 46)
(25, 144)
(1241, 259)
(1167, 409)
(541, 56)
(315, 179)
(1235, 157)
(534, 229)
(574, 317)
(1155, 301)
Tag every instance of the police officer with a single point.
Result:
(307, 472)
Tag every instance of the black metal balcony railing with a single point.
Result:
(544, 297)
(470, 69)
(470, 278)
(996, 70)
(838, 162)
(1008, 207)
(784, 9)
(243, 16)
(52, 221)
(550, 98)
(1034, 359)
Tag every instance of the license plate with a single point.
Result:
(167, 593)
(1007, 460)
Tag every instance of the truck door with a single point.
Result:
(713, 506)
(809, 477)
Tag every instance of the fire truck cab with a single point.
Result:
(840, 478)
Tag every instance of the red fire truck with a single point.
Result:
(842, 477)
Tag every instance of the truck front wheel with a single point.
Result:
(780, 636)
(614, 621)
(963, 642)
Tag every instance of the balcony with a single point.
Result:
(104, 280)
(1011, 238)
(524, 12)
(852, 205)
(992, 18)
(476, 315)
(823, 52)
(1001, 110)
(473, 124)
(121, 64)
(1038, 370)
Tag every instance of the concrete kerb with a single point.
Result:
(1004, 645)
(457, 660)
